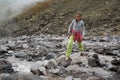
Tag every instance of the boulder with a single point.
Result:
(3, 52)
(115, 62)
(95, 56)
(5, 67)
(114, 69)
(59, 71)
(51, 65)
(20, 54)
(39, 71)
(62, 62)
(94, 61)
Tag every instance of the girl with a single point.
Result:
(76, 32)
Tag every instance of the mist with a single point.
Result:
(11, 8)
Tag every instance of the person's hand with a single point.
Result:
(69, 34)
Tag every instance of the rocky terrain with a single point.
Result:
(33, 44)
(53, 17)
(43, 58)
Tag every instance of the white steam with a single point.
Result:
(10, 8)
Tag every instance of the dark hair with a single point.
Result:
(79, 13)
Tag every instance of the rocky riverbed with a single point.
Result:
(43, 58)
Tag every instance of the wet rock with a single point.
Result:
(73, 68)
(94, 61)
(39, 71)
(62, 62)
(109, 52)
(79, 63)
(95, 78)
(105, 51)
(20, 54)
(54, 71)
(50, 56)
(95, 56)
(62, 71)
(51, 65)
(5, 67)
(3, 51)
(105, 39)
(114, 69)
(115, 62)
(11, 47)
(59, 46)
(59, 71)
(99, 51)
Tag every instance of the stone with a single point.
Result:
(115, 62)
(114, 69)
(73, 69)
(62, 62)
(93, 62)
(62, 71)
(95, 56)
(109, 52)
(39, 71)
(59, 71)
(99, 51)
(54, 71)
(20, 54)
(3, 51)
(105, 51)
(49, 56)
(43, 70)
(5, 67)
(51, 65)
(95, 78)
(105, 39)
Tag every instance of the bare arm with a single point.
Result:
(70, 27)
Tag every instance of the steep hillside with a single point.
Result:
(53, 17)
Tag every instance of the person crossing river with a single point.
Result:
(76, 32)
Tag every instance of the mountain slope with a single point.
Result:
(53, 17)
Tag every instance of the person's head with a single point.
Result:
(78, 16)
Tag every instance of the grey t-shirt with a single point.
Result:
(77, 26)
